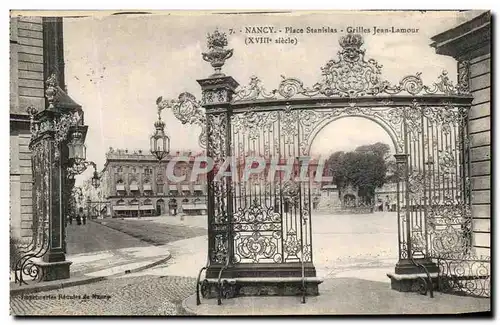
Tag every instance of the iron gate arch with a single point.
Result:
(395, 138)
(255, 246)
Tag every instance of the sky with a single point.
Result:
(116, 67)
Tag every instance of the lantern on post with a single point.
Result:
(159, 141)
(76, 147)
(96, 178)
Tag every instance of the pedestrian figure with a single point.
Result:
(84, 218)
(79, 217)
(71, 218)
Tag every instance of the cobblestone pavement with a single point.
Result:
(145, 295)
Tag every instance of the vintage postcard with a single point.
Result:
(250, 163)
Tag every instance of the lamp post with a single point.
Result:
(159, 141)
(96, 183)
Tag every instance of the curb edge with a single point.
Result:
(89, 280)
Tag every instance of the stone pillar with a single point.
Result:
(217, 95)
(52, 187)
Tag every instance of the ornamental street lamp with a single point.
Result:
(76, 147)
(160, 142)
(96, 180)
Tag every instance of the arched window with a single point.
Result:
(120, 187)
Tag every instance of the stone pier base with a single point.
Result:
(261, 280)
(413, 282)
(51, 271)
(241, 287)
(409, 277)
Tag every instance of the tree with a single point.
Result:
(335, 169)
(394, 174)
(371, 174)
(364, 168)
(381, 149)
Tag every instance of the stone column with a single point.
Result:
(52, 187)
(217, 95)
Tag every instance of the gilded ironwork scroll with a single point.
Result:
(188, 111)
(350, 76)
(468, 275)
(217, 188)
(27, 268)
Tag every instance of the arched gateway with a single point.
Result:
(256, 244)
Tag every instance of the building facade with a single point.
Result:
(386, 197)
(36, 51)
(333, 199)
(135, 184)
(470, 44)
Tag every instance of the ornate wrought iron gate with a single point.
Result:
(261, 229)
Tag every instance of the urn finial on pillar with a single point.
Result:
(217, 53)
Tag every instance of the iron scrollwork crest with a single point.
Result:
(187, 110)
(351, 75)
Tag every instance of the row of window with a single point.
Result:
(149, 193)
(150, 202)
(147, 170)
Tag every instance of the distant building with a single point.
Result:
(332, 198)
(135, 184)
(386, 197)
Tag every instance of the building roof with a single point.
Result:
(145, 155)
(465, 39)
